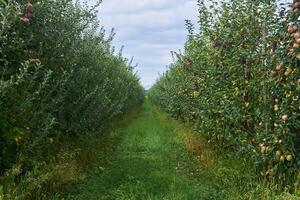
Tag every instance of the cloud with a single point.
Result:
(135, 6)
(149, 30)
(170, 14)
(129, 6)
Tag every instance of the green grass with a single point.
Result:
(151, 162)
(152, 157)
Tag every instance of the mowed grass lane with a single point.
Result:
(151, 162)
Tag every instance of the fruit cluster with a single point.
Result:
(28, 15)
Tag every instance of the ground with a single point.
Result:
(150, 162)
(150, 156)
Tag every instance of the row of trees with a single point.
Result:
(60, 79)
(238, 83)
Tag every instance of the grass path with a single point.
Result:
(147, 156)
(150, 162)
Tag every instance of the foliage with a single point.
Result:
(60, 80)
(238, 83)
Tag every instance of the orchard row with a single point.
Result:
(238, 83)
(60, 81)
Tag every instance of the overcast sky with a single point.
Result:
(149, 30)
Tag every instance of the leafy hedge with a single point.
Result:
(60, 79)
(238, 83)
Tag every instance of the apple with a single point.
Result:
(263, 149)
(297, 35)
(295, 28)
(277, 155)
(279, 67)
(289, 157)
(296, 45)
(284, 117)
(296, 5)
(288, 71)
(291, 52)
(274, 73)
(29, 6)
(290, 29)
(25, 20)
(28, 15)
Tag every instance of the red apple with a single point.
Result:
(29, 6)
(284, 117)
(297, 35)
(25, 20)
(293, 35)
(28, 15)
(296, 45)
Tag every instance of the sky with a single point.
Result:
(149, 31)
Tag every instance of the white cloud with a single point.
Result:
(129, 6)
(149, 17)
(149, 30)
